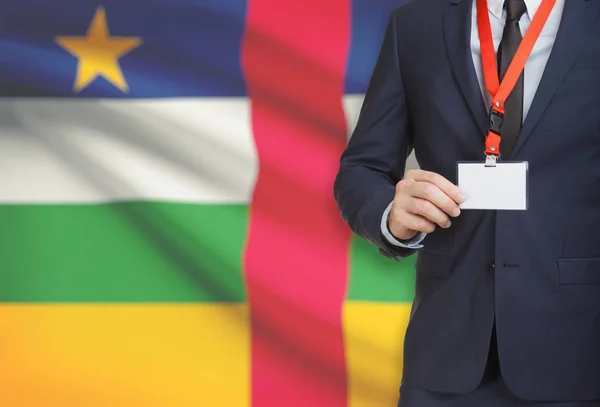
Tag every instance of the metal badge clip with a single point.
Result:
(490, 160)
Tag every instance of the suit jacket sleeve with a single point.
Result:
(375, 158)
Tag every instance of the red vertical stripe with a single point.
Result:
(294, 59)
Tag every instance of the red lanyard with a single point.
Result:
(501, 91)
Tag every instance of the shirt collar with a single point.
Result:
(496, 7)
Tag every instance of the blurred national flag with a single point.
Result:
(169, 236)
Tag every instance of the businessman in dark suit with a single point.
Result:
(507, 303)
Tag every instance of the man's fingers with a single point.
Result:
(429, 211)
(426, 199)
(442, 183)
(413, 222)
(437, 197)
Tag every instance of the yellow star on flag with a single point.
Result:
(98, 53)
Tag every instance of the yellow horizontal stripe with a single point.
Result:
(374, 335)
(124, 355)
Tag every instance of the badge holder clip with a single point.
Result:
(490, 160)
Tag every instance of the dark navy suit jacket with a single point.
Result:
(544, 290)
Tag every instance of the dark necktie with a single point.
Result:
(513, 106)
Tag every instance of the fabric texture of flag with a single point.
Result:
(169, 235)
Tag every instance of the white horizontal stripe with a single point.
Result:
(55, 150)
(101, 150)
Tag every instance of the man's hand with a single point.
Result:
(423, 200)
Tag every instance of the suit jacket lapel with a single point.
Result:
(577, 20)
(457, 34)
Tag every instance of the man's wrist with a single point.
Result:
(401, 239)
(412, 243)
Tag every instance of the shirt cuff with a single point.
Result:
(413, 243)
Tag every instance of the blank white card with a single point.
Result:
(503, 187)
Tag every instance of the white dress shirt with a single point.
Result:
(534, 68)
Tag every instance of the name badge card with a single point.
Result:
(499, 187)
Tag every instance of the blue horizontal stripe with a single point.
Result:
(190, 47)
(369, 20)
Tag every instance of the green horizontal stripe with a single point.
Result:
(125, 252)
(374, 277)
